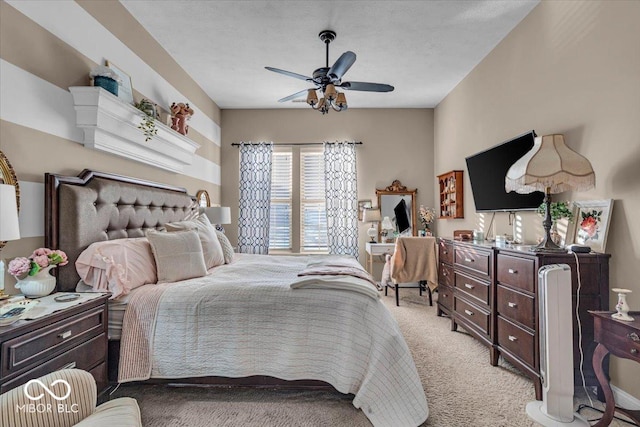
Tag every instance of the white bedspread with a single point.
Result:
(244, 319)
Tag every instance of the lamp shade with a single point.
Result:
(551, 165)
(218, 214)
(371, 215)
(9, 228)
(386, 224)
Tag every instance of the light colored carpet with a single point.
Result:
(462, 387)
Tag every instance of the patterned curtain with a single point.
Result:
(341, 198)
(255, 197)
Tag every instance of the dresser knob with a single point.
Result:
(512, 304)
(468, 259)
(512, 271)
(64, 335)
(512, 338)
(468, 286)
(633, 337)
(469, 312)
(634, 351)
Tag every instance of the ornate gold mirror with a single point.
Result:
(203, 199)
(8, 176)
(399, 204)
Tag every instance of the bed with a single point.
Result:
(242, 320)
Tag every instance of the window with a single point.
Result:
(298, 220)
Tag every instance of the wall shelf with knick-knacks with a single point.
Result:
(111, 125)
(451, 191)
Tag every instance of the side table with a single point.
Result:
(621, 339)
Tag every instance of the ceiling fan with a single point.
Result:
(327, 79)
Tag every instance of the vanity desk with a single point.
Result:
(491, 292)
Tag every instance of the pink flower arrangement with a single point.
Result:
(41, 258)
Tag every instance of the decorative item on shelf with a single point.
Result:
(552, 167)
(372, 216)
(204, 201)
(559, 210)
(218, 215)
(622, 307)
(105, 78)
(386, 227)
(125, 89)
(32, 273)
(427, 215)
(148, 123)
(180, 113)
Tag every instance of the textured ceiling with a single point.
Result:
(423, 48)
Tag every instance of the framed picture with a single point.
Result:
(591, 221)
(203, 199)
(125, 91)
(362, 205)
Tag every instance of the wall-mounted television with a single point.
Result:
(487, 171)
(402, 217)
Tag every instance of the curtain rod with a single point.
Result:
(237, 144)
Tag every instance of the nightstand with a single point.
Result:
(75, 337)
(374, 249)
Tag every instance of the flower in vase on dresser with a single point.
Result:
(426, 215)
(32, 273)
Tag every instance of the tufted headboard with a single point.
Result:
(99, 206)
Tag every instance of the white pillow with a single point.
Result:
(178, 255)
(211, 249)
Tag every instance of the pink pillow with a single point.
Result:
(117, 266)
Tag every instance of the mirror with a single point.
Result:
(398, 203)
(8, 176)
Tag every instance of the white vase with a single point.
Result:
(39, 285)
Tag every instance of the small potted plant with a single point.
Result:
(32, 273)
(148, 124)
(105, 78)
(559, 210)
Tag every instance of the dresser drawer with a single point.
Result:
(445, 251)
(85, 356)
(474, 288)
(516, 306)
(445, 274)
(516, 340)
(42, 344)
(517, 272)
(473, 314)
(473, 259)
(445, 297)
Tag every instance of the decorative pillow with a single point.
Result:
(211, 249)
(178, 255)
(227, 249)
(117, 266)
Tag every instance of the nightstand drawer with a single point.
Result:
(42, 344)
(517, 341)
(473, 314)
(518, 272)
(620, 340)
(380, 248)
(474, 288)
(516, 306)
(86, 356)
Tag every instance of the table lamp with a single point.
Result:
(218, 215)
(9, 227)
(552, 167)
(386, 226)
(372, 216)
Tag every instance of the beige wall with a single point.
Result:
(43, 59)
(397, 144)
(570, 68)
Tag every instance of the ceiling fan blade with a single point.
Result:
(295, 95)
(341, 66)
(367, 87)
(289, 73)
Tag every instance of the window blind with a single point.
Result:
(313, 218)
(281, 201)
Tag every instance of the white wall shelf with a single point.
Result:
(112, 125)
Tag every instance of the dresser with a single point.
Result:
(492, 293)
(75, 337)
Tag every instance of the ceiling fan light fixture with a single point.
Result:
(341, 102)
(330, 92)
(312, 98)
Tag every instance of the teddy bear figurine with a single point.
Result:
(180, 113)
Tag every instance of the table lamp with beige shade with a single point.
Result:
(9, 227)
(372, 216)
